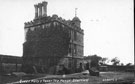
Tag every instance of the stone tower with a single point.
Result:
(51, 41)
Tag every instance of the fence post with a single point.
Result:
(1, 67)
(16, 64)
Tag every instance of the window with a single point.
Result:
(75, 35)
(75, 49)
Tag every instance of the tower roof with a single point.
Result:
(76, 19)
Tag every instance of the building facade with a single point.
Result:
(51, 41)
(10, 63)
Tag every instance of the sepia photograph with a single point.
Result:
(67, 42)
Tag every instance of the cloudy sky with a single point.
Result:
(108, 25)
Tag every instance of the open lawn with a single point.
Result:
(77, 78)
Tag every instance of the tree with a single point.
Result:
(95, 60)
(128, 64)
(122, 64)
(115, 61)
(103, 61)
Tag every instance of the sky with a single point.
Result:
(107, 24)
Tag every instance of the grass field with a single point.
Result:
(78, 78)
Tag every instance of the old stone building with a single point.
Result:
(51, 41)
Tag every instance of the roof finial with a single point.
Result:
(75, 12)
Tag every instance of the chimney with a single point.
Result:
(40, 9)
(36, 11)
(44, 8)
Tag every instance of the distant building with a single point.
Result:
(9, 63)
(51, 41)
(10, 59)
